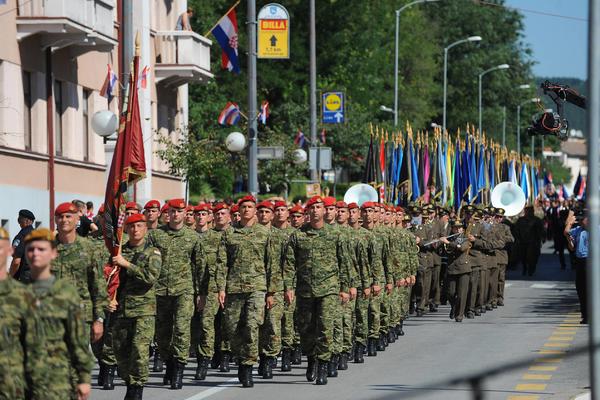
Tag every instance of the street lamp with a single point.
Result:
(398, 11)
(386, 109)
(533, 100)
(523, 86)
(469, 39)
(496, 68)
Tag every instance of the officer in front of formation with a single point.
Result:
(19, 269)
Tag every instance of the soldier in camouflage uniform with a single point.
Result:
(316, 261)
(67, 361)
(382, 233)
(246, 282)
(152, 213)
(176, 288)
(135, 311)
(21, 346)
(290, 335)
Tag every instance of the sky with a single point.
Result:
(559, 44)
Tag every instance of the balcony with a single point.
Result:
(181, 57)
(87, 24)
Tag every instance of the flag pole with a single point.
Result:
(220, 19)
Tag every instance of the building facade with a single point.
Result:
(53, 63)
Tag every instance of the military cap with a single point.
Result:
(4, 234)
(165, 208)
(265, 204)
(131, 205)
(65, 208)
(500, 211)
(202, 207)
(40, 234)
(313, 200)
(443, 211)
(406, 218)
(368, 204)
(477, 213)
(220, 206)
(488, 210)
(139, 217)
(297, 210)
(457, 223)
(341, 204)
(152, 204)
(247, 198)
(280, 203)
(177, 203)
(235, 209)
(469, 208)
(329, 201)
(415, 209)
(27, 214)
(352, 205)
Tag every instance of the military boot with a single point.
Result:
(322, 372)
(268, 369)
(297, 356)
(401, 330)
(247, 380)
(157, 362)
(201, 369)
(101, 373)
(343, 362)
(225, 358)
(311, 369)
(451, 315)
(109, 378)
(391, 337)
(372, 347)
(177, 376)
(138, 393)
(168, 372)
(332, 366)
(470, 315)
(380, 343)
(262, 360)
(286, 360)
(216, 360)
(358, 354)
(129, 393)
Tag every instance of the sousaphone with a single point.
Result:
(510, 197)
(360, 194)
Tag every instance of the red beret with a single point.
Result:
(131, 205)
(177, 203)
(165, 208)
(220, 206)
(202, 207)
(152, 204)
(280, 204)
(247, 198)
(65, 208)
(341, 204)
(235, 208)
(297, 210)
(368, 204)
(189, 207)
(313, 200)
(399, 209)
(329, 201)
(352, 206)
(135, 218)
(265, 204)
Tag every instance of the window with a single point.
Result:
(86, 124)
(27, 109)
(58, 112)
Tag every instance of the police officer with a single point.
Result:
(18, 267)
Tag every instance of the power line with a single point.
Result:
(487, 3)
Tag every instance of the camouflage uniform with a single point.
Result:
(349, 308)
(243, 271)
(134, 326)
(68, 361)
(20, 343)
(367, 258)
(178, 281)
(316, 260)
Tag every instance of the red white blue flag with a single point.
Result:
(226, 33)
(143, 79)
(109, 84)
(299, 139)
(264, 112)
(230, 115)
(322, 136)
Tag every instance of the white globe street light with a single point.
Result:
(105, 123)
(299, 156)
(235, 142)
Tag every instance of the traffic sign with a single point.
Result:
(273, 32)
(333, 107)
(324, 158)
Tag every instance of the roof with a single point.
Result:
(574, 148)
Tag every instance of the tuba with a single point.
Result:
(360, 194)
(510, 197)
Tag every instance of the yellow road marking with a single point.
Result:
(537, 377)
(571, 321)
(525, 397)
(560, 338)
(543, 368)
(536, 387)
(565, 332)
(543, 351)
(567, 328)
(557, 344)
(548, 360)
(570, 325)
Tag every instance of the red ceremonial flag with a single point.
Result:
(128, 166)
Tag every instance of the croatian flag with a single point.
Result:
(226, 33)
(230, 115)
(264, 112)
(143, 79)
(299, 140)
(109, 85)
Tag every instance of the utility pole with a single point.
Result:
(314, 172)
(252, 112)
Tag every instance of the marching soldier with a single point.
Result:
(296, 216)
(459, 269)
(135, 310)
(152, 213)
(502, 253)
(529, 232)
(424, 234)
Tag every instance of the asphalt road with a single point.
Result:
(539, 320)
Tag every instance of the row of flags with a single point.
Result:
(230, 114)
(111, 82)
(408, 167)
(300, 140)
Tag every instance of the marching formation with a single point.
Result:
(243, 283)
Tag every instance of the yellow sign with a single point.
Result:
(273, 40)
(333, 102)
(313, 189)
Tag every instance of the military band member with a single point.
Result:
(459, 268)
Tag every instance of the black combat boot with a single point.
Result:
(247, 380)
(286, 360)
(215, 360)
(129, 393)
(380, 343)
(168, 371)
(157, 362)
(401, 330)
(489, 307)
(478, 312)
(311, 370)
(109, 377)
(297, 356)
(372, 347)
(177, 375)
(101, 374)
(322, 372)
(262, 360)
(268, 368)
(391, 337)
(470, 315)
(225, 358)
(136, 392)
(343, 362)
(201, 369)
(332, 366)
(358, 353)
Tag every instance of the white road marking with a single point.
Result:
(508, 285)
(543, 286)
(214, 390)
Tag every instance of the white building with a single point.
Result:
(573, 155)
